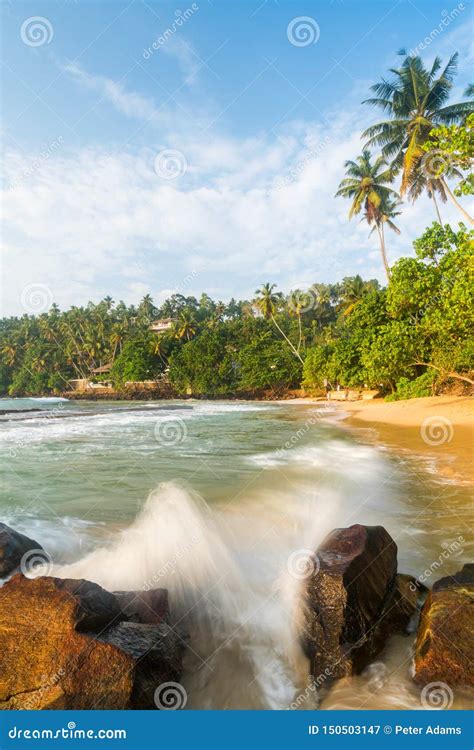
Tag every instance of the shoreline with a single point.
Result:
(438, 427)
(441, 428)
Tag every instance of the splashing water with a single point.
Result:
(273, 488)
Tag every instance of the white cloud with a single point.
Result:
(89, 223)
(126, 102)
(96, 221)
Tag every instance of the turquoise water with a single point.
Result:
(234, 489)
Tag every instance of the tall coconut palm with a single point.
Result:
(186, 325)
(267, 301)
(296, 304)
(384, 216)
(366, 184)
(416, 102)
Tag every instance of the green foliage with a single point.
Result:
(453, 146)
(267, 363)
(205, 365)
(418, 388)
(136, 362)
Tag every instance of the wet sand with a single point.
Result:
(441, 427)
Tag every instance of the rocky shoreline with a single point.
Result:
(70, 644)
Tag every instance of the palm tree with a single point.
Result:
(267, 301)
(186, 326)
(366, 184)
(296, 304)
(416, 102)
(354, 288)
(384, 215)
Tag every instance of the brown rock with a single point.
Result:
(354, 600)
(13, 546)
(445, 636)
(64, 645)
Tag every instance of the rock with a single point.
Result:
(354, 600)
(65, 644)
(13, 546)
(156, 652)
(446, 632)
(145, 606)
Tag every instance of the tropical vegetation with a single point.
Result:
(405, 339)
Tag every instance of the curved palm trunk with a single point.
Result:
(300, 332)
(295, 351)
(456, 203)
(433, 196)
(382, 249)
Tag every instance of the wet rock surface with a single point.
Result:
(68, 644)
(445, 635)
(13, 546)
(354, 600)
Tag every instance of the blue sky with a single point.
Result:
(208, 163)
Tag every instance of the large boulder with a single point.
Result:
(354, 600)
(446, 632)
(149, 606)
(13, 546)
(67, 644)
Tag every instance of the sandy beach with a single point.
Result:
(441, 427)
